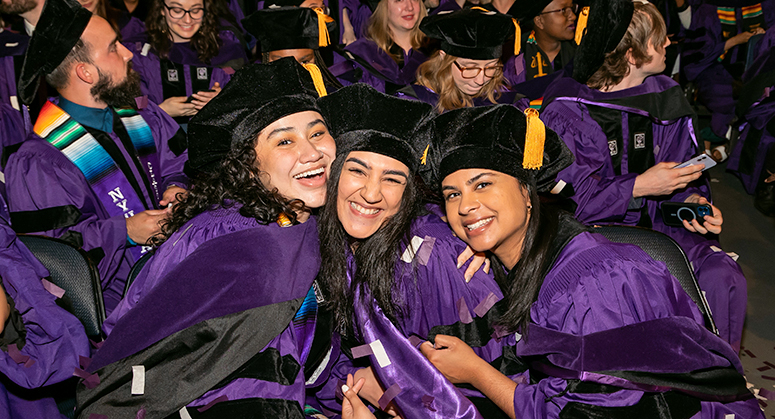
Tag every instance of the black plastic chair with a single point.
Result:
(136, 268)
(663, 248)
(71, 270)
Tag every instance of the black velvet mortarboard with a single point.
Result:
(526, 10)
(487, 137)
(469, 33)
(607, 24)
(364, 119)
(284, 28)
(59, 28)
(256, 96)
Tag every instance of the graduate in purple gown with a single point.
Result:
(629, 127)
(100, 170)
(753, 158)
(714, 54)
(389, 265)
(185, 57)
(40, 343)
(467, 70)
(603, 330)
(298, 32)
(392, 48)
(238, 258)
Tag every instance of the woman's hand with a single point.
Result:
(177, 106)
(202, 98)
(5, 309)
(170, 197)
(477, 261)
(372, 390)
(454, 358)
(664, 178)
(711, 224)
(352, 406)
(348, 35)
(742, 38)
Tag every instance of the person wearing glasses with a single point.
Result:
(467, 70)
(185, 56)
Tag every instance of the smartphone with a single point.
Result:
(702, 159)
(674, 212)
(190, 98)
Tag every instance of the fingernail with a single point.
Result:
(459, 264)
(345, 389)
(468, 278)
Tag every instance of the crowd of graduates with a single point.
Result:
(379, 208)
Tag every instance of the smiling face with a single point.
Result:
(294, 154)
(488, 210)
(560, 26)
(184, 28)
(370, 190)
(473, 86)
(403, 14)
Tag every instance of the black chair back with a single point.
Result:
(136, 268)
(663, 248)
(71, 270)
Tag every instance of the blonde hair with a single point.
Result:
(646, 25)
(436, 74)
(379, 31)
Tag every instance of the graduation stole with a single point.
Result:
(112, 182)
(753, 18)
(536, 62)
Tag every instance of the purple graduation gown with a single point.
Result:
(699, 58)
(40, 177)
(605, 197)
(53, 339)
(433, 293)
(15, 123)
(371, 65)
(231, 299)
(608, 314)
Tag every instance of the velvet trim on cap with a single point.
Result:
(256, 96)
(606, 26)
(470, 33)
(59, 28)
(284, 28)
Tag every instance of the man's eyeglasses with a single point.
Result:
(196, 13)
(472, 72)
(565, 10)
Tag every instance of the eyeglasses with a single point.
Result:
(565, 10)
(472, 72)
(178, 12)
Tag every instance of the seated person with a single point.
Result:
(387, 57)
(628, 127)
(713, 58)
(101, 174)
(293, 32)
(185, 56)
(40, 343)
(238, 259)
(467, 70)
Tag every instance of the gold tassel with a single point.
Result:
(535, 135)
(317, 78)
(424, 159)
(324, 38)
(517, 37)
(283, 220)
(581, 23)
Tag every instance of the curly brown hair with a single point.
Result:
(646, 26)
(235, 181)
(205, 41)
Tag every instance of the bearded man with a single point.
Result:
(103, 172)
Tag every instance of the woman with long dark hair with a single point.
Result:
(603, 329)
(186, 55)
(389, 270)
(467, 70)
(236, 265)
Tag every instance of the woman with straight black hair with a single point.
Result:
(603, 330)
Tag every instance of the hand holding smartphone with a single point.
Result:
(702, 159)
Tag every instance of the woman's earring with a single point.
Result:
(529, 207)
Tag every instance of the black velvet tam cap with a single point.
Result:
(364, 119)
(60, 27)
(469, 33)
(606, 26)
(528, 9)
(256, 96)
(288, 28)
(497, 137)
